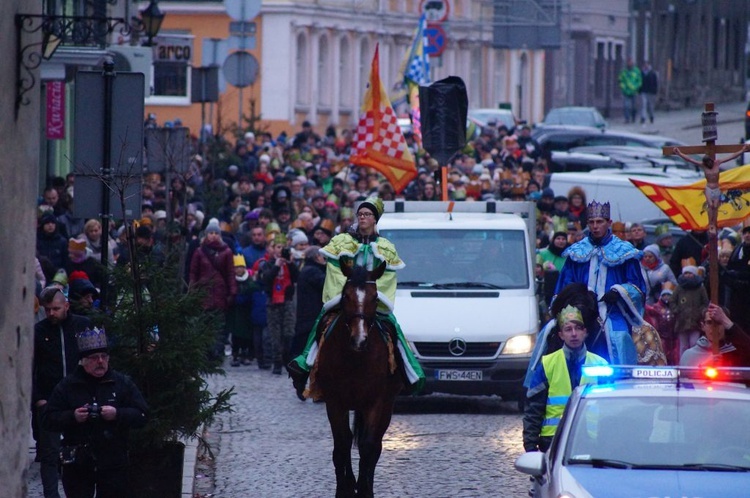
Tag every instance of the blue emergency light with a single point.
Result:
(610, 373)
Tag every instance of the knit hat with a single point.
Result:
(80, 285)
(297, 237)
(375, 205)
(272, 227)
(60, 277)
(653, 249)
(239, 260)
(346, 212)
(160, 215)
(47, 217)
(690, 269)
(213, 226)
(92, 341)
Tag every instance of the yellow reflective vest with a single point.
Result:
(556, 370)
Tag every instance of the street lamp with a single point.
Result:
(152, 18)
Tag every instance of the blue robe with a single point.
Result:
(601, 265)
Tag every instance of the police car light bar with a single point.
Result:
(611, 373)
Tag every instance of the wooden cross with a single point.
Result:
(710, 166)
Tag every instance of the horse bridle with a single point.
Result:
(348, 317)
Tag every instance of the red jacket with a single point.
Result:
(212, 269)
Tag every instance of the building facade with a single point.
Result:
(314, 59)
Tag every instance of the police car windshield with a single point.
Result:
(461, 259)
(654, 432)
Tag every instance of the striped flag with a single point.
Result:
(686, 205)
(378, 141)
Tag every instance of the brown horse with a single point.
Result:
(356, 371)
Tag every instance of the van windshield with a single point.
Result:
(469, 259)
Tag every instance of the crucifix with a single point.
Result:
(710, 166)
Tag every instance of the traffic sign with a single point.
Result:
(241, 69)
(436, 40)
(242, 10)
(435, 10)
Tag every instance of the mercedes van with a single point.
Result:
(466, 298)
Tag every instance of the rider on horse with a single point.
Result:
(362, 244)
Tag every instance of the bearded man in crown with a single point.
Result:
(602, 261)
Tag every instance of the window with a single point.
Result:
(345, 79)
(324, 72)
(172, 55)
(303, 83)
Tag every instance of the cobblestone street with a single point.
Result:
(437, 446)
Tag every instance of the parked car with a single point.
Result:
(585, 159)
(485, 116)
(580, 116)
(568, 137)
(649, 431)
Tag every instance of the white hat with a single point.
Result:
(264, 158)
(249, 135)
(160, 215)
(690, 269)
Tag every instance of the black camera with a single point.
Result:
(95, 411)
(286, 253)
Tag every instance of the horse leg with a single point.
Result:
(342, 450)
(374, 423)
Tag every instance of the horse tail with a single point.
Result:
(358, 429)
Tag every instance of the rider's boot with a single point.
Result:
(299, 378)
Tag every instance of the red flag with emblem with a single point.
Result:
(378, 141)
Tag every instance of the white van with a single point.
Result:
(465, 299)
(626, 201)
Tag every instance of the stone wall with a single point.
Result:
(18, 184)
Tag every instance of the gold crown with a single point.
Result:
(239, 260)
(91, 340)
(569, 314)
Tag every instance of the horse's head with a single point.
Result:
(359, 302)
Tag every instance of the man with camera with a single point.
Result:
(278, 274)
(55, 356)
(95, 407)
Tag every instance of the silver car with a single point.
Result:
(657, 432)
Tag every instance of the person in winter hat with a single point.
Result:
(656, 272)
(239, 324)
(688, 299)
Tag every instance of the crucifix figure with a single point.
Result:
(710, 166)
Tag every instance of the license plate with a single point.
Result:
(470, 375)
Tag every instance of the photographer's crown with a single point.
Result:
(598, 210)
(91, 341)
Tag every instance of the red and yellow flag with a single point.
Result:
(378, 141)
(686, 205)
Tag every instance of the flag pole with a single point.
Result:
(444, 181)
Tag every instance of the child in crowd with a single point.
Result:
(238, 316)
(688, 299)
(660, 316)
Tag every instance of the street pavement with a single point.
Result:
(273, 445)
(685, 124)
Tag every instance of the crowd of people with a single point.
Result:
(253, 223)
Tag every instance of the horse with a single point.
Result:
(357, 371)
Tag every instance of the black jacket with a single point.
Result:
(107, 440)
(47, 366)
(53, 246)
(309, 295)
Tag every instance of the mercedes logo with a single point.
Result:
(457, 346)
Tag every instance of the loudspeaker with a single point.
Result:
(443, 107)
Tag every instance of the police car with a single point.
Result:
(650, 432)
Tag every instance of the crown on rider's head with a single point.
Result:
(569, 314)
(597, 210)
